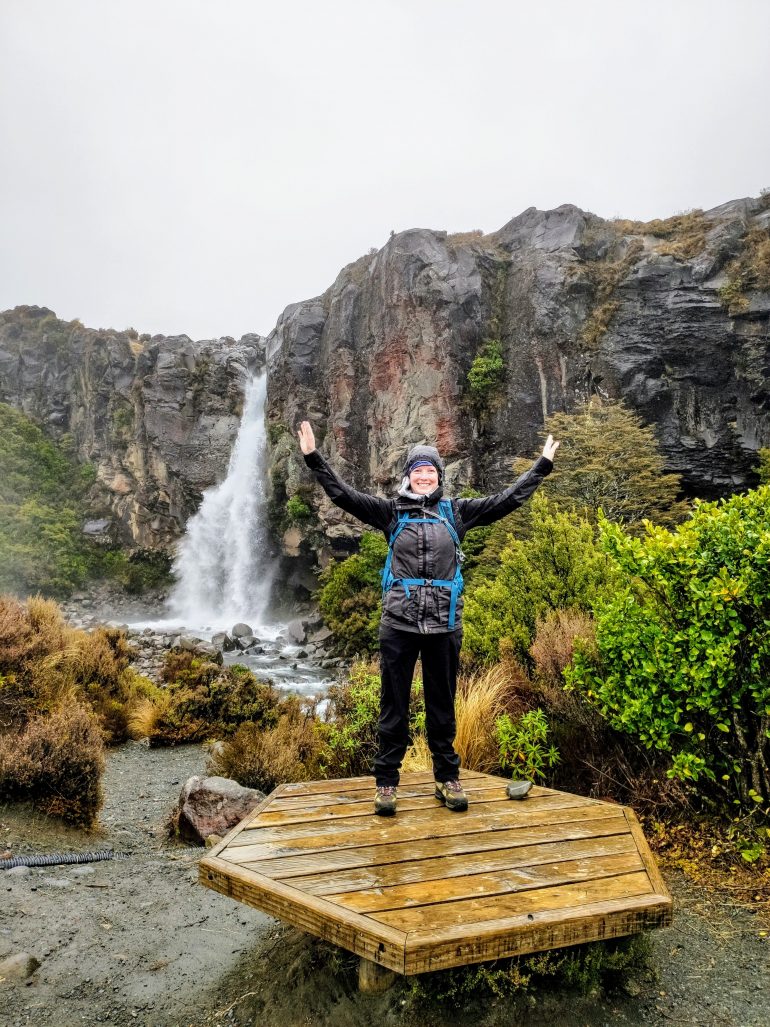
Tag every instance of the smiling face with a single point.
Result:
(423, 480)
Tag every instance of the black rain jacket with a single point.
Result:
(424, 550)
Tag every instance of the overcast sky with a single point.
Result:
(195, 166)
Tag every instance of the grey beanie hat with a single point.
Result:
(424, 453)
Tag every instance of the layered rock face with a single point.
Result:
(669, 316)
(155, 416)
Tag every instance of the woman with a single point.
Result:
(422, 601)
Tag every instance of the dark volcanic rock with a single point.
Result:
(582, 307)
(156, 416)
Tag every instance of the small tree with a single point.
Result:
(609, 458)
(559, 566)
(682, 657)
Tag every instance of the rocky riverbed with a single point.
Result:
(139, 941)
(291, 653)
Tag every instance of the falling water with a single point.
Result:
(224, 568)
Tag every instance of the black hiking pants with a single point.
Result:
(398, 655)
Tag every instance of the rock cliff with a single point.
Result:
(671, 316)
(156, 416)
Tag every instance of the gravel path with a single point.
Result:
(138, 941)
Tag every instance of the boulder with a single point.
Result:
(240, 630)
(212, 805)
(222, 640)
(296, 631)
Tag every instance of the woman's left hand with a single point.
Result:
(550, 447)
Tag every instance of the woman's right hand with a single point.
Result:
(306, 438)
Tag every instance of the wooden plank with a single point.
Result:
(309, 913)
(366, 855)
(381, 831)
(656, 878)
(231, 836)
(341, 784)
(484, 885)
(445, 867)
(363, 805)
(405, 793)
(324, 824)
(597, 921)
(471, 912)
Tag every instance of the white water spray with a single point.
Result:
(224, 568)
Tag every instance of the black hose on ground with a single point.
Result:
(52, 859)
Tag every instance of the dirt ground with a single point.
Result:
(138, 941)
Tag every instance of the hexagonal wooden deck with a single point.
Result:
(429, 889)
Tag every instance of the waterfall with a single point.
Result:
(224, 567)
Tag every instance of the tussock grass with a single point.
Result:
(481, 698)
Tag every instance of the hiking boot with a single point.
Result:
(452, 795)
(385, 800)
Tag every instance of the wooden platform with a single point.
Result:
(429, 889)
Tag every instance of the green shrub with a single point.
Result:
(682, 655)
(523, 745)
(42, 492)
(487, 373)
(764, 466)
(297, 509)
(583, 968)
(136, 571)
(609, 459)
(56, 763)
(560, 566)
(350, 597)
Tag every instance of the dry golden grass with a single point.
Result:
(481, 698)
(417, 756)
(145, 714)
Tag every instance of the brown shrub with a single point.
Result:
(42, 661)
(554, 644)
(264, 758)
(203, 701)
(56, 762)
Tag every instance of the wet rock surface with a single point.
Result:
(211, 805)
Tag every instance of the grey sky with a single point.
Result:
(191, 166)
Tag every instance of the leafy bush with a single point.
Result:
(605, 964)
(682, 656)
(350, 597)
(523, 745)
(560, 566)
(609, 459)
(56, 762)
(138, 570)
(204, 700)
